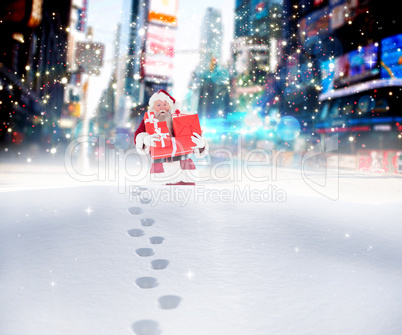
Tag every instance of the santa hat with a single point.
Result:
(162, 95)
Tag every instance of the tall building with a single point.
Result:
(33, 62)
(257, 49)
(146, 54)
(106, 110)
(209, 84)
(211, 39)
(130, 41)
(73, 97)
(242, 18)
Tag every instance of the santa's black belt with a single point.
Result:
(171, 159)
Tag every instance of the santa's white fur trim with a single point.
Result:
(162, 97)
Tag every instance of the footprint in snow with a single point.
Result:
(169, 301)
(145, 197)
(135, 210)
(135, 232)
(156, 239)
(146, 327)
(146, 282)
(146, 222)
(145, 200)
(159, 264)
(145, 252)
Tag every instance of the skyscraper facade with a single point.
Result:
(211, 38)
(209, 94)
(146, 53)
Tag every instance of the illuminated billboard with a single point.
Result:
(343, 11)
(391, 57)
(163, 11)
(315, 24)
(356, 66)
(159, 52)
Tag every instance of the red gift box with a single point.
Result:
(183, 127)
(164, 140)
(150, 122)
(176, 149)
(153, 126)
(186, 125)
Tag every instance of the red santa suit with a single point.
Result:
(171, 170)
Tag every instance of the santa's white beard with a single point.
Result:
(169, 123)
(167, 117)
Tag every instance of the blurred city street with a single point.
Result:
(200, 167)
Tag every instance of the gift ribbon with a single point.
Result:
(151, 119)
(158, 131)
(175, 115)
(174, 146)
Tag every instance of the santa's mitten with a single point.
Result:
(200, 152)
(140, 145)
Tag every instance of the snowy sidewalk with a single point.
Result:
(206, 260)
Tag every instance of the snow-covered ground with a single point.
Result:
(224, 257)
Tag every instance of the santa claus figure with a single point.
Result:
(171, 170)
